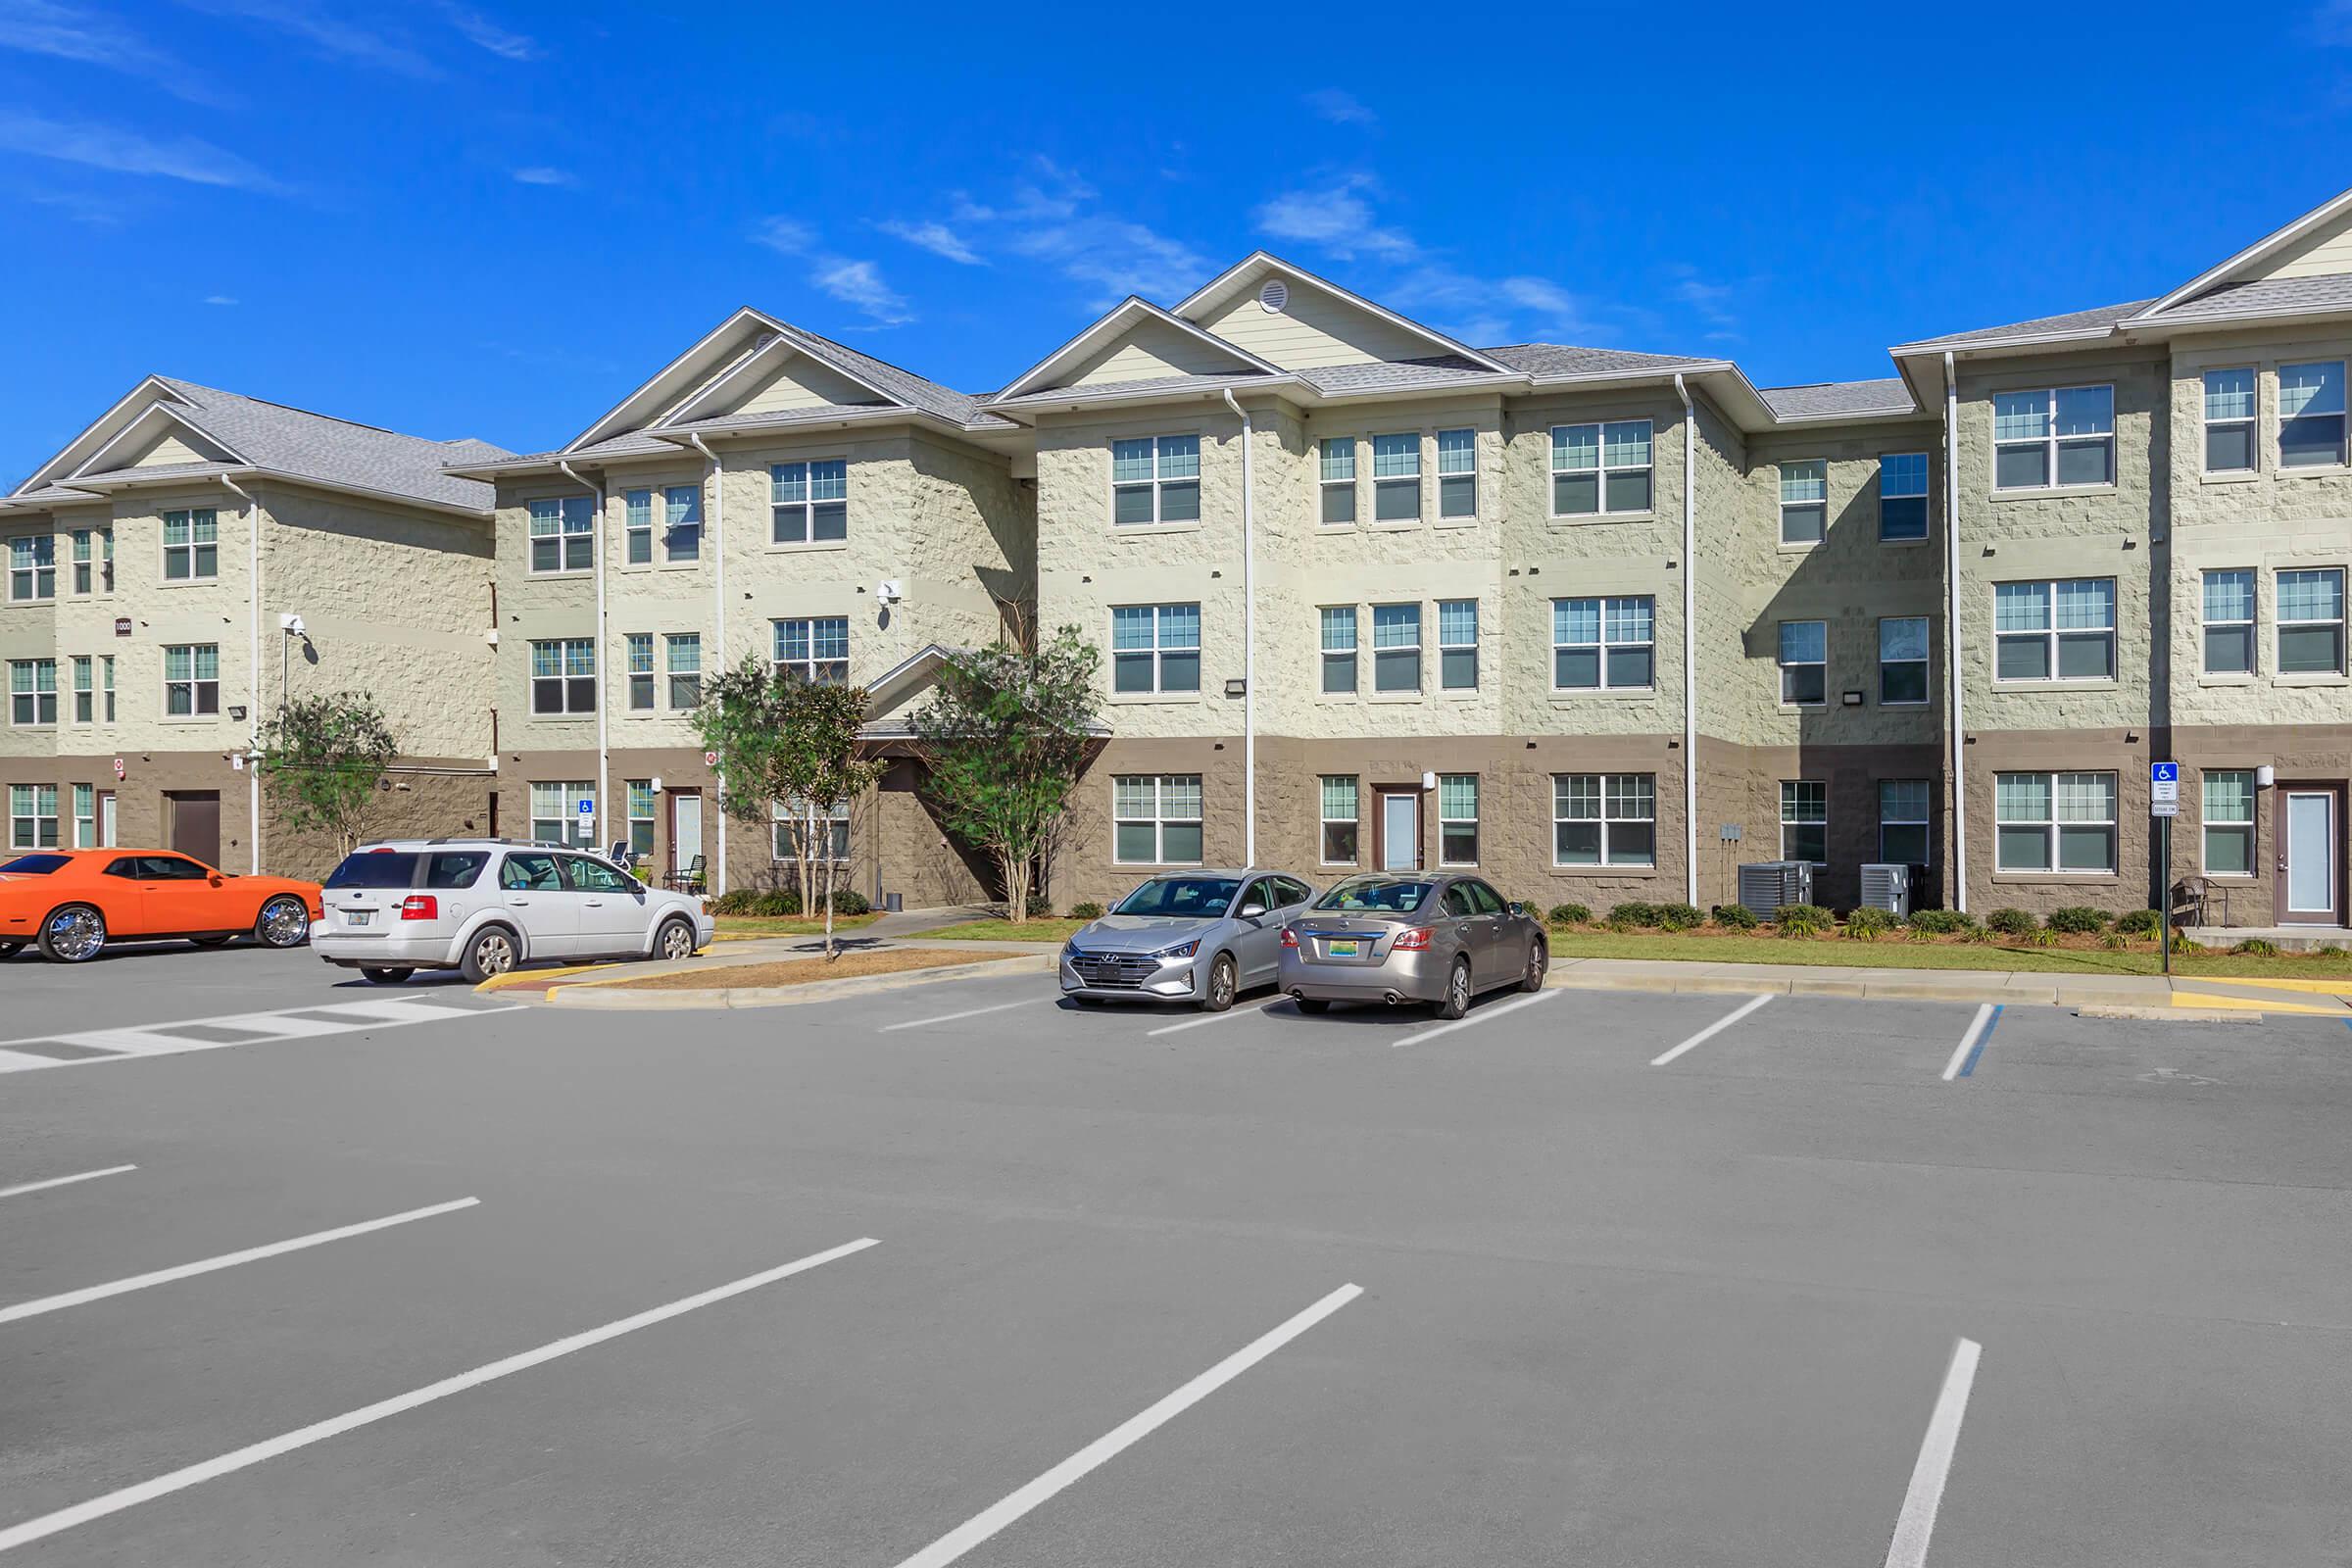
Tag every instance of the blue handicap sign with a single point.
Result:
(2164, 772)
(588, 807)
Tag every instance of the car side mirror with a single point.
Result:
(216, 879)
(1251, 911)
(1518, 907)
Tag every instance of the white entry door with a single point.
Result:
(106, 820)
(685, 830)
(1399, 832)
(2307, 857)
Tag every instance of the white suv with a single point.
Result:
(483, 906)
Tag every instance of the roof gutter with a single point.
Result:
(1248, 633)
(1690, 642)
(1951, 626)
(719, 648)
(253, 669)
(604, 741)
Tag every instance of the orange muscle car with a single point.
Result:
(75, 901)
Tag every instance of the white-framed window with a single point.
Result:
(682, 654)
(1902, 496)
(1902, 659)
(2060, 822)
(2311, 621)
(808, 503)
(682, 524)
(1156, 818)
(2057, 631)
(1397, 477)
(640, 795)
(640, 649)
(555, 814)
(1804, 662)
(1904, 808)
(562, 535)
(1457, 473)
(2228, 622)
(32, 691)
(1603, 644)
(191, 545)
(2053, 437)
(32, 816)
(85, 690)
(637, 526)
(31, 568)
(2228, 813)
(1154, 648)
(1343, 818)
(85, 816)
(828, 827)
(1804, 502)
(1339, 648)
(815, 648)
(1154, 479)
(1805, 820)
(2310, 414)
(93, 560)
(1604, 819)
(1600, 471)
(2230, 409)
(106, 687)
(191, 680)
(1337, 456)
(1397, 648)
(563, 675)
(1457, 644)
(1457, 819)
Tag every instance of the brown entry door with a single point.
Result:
(1397, 829)
(2311, 837)
(192, 818)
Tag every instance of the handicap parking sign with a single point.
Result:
(2164, 783)
(587, 806)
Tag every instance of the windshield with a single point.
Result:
(1389, 895)
(32, 866)
(375, 868)
(1198, 897)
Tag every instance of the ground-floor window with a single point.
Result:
(85, 816)
(555, 814)
(1457, 819)
(32, 816)
(1156, 818)
(829, 825)
(2054, 822)
(641, 818)
(1604, 819)
(1903, 805)
(2228, 796)
(1805, 820)
(1343, 820)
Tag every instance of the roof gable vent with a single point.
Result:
(1274, 296)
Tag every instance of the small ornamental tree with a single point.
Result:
(324, 759)
(1005, 733)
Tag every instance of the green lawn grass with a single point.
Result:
(1896, 953)
(1005, 931)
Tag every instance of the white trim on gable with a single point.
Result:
(2260, 250)
(1107, 325)
(664, 381)
(1220, 288)
(102, 431)
(141, 425)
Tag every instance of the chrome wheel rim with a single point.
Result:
(75, 933)
(1460, 986)
(495, 954)
(1220, 981)
(283, 922)
(1535, 968)
(676, 943)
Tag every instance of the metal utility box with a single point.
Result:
(1766, 885)
(1888, 886)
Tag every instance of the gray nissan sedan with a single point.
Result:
(1403, 936)
(1191, 936)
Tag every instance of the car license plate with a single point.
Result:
(1343, 949)
(358, 916)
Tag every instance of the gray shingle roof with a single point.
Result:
(908, 387)
(315, 445)
(2331, 291)
(1562, 358)
(1154, 384)
(1828, 399)
(1387, 374)
(2040, 327)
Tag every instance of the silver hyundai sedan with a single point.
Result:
(1191, 936)
(1397, 937)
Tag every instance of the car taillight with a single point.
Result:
(1290, 938)
(1414, 941)
(420, 906)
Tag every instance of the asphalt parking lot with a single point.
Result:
(1587, 1278)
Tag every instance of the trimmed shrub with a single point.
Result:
(1868, 925)
(2257, 947)
(2013, 922)
(2077, 920)
(1634, 914)
(2114, 941)
(1570, 915)
(1736, 918)
(1942, 922)
(1802, 919)
(1679, 916)
(1088, 910)
(768, 902)
(2139, 923)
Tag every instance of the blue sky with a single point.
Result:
(491, 219)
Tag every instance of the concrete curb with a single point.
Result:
(614, 999)
(2166, 1014)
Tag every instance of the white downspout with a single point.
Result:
(718, 636)
(604, 748)
(1951, 626)
(1248, 636)
(252, 710)
(1689, 644)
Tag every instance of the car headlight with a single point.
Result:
(1182, 950)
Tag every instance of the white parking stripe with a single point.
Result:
(1968, 1040)
(1209, 1018)
(63, 1180)
(165, 1039)
(251, 1254)
(1479, 1016)
(1917, 1522)
(965, 1536)
(164, 1485)
(1712, 1030)
(969, 1012)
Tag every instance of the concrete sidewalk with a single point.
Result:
(2326, 998)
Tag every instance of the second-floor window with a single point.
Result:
(637, 526)
(2229, 420)
(2229, 624)
(683, 652)
(1457, 473)
(1903, 659)
(85, 692)
(1902, 496)
(1804, 662)
(562, 534)
(191, 545)
(2049, 437)
(1338, 457)
(1155, 648)
(93, 560)
(1603, 644)
(1600, 470)
(191, 680)
(640, 648)
(2310, 414)
(106, 687)
(32, 691)
(682, 523)
(2311, 622)
(1457, 644)
(31, 568)
(563, 675)
(1155, 478)
(808, 503)
(1804, 502)
(1396, 648)
(1339, 648)
(1397, 477)
(2062, 630)
(814, 650)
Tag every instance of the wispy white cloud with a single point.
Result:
(82, 207)
(325, 32)
(937, 238)
(786, 235)
(1337, 219)
(1341, 108)
(1044, 193)
(63, 32)
(1051, 216)
(1482, 311)
(1711, 302)
(220, 299)
(847, 279)
(485, 33)
(128, 151)
(541, 174)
